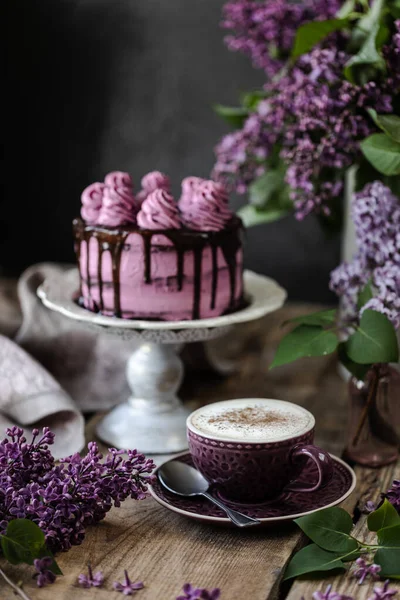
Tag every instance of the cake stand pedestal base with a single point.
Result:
(152, 420)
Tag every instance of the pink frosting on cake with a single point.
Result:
(119, 205)
(152, 181)
(162, 298)
(189, 185)
(159, 211)
(208, 208)
(119, 179)
(92, 199)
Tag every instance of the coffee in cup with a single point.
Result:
(253, 449)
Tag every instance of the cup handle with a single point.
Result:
(323, 462)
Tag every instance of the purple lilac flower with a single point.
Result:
(376, 216)
(330, 595)
(63, 499)
(192, 593)
(128, 588)
(383, 593)
(44, 575)
(369, 507)
(317, 118)
(265, 30)
(92, 579)
(393, 494)
(362, 570)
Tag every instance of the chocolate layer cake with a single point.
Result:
(148, 258)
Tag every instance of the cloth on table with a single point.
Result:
(89, 366)
(30, 397)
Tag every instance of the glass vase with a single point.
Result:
(374, 424)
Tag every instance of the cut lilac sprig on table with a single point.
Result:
(44, 576)
(91, 579)
(383, 593)
(330, 595)
(362, 570)
(192, 593)
(369, 507)
(64, 499)
(128, 588)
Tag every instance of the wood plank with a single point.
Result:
(165, 551)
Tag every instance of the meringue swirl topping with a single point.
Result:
(152, 181)
(208, 209)
(159, 211)
(92, 200)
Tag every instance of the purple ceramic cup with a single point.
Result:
(252, 469)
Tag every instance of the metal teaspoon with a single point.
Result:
(183, 480)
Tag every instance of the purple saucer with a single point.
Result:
(287, 507)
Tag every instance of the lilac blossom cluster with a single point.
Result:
(376, 216)
(379, 593)
(265, 30)
(192, 593)
(362, 570)
(393, 494)
(63, 499)
(316, 119)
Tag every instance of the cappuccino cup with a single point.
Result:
(255, 449)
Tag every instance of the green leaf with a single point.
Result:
(390, 124)
(385, 516)
(322, 317)
(374, 341)
(382, 152)
(389, 537)
(389, 560)
(250, 100)
(252, 216)
(365, 295)
(367, 55)
(233, 115)
(394, 9)
(310, 34)
(313, 558)
(23, 542)
(330, 529)
(262, 188)
(305, 340)
(357, 370)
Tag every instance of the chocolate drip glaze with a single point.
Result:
(179, 269)
(147, 256)
(214, 250)
(183, 240)
(99, 273)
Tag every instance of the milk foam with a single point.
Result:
(252, 419)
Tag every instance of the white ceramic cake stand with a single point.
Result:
(153, 418)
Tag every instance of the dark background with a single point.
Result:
(98, 85)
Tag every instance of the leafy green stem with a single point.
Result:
(14, 586)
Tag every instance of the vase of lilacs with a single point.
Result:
(330, 103)
(364, 332)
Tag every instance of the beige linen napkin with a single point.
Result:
(30, 397)
(90, 367)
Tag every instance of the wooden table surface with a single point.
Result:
(166, 550)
